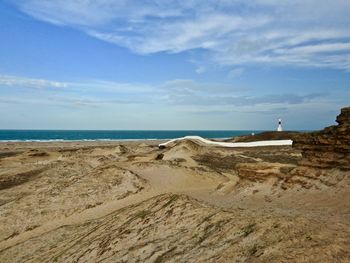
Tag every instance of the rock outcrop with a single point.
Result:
(329, 148)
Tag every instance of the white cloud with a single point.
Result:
(214, 103)
(93, 13)
(235, 73)
(6, 80)
(174, 93)
(204, 31)
(309, 49)
(309, 33)
(201, 69)
(318, 48)
(183, 87)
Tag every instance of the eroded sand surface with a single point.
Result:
(131, 202)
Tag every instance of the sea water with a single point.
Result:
(100, 135)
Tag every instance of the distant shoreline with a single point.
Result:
(118, 136)
(232, 136)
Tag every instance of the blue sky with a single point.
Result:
(173, 64)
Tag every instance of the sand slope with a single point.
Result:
(131, 202)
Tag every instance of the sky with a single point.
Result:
(173, 64)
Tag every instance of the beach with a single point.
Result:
(174, 131)
(191, 202)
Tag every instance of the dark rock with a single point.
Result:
(39, 154)
(159, 156)
(265, 136)
(329, 148)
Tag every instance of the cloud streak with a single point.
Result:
(15, 81)
(242, 101)
(309, 33)
(187, 101)
(173, 93)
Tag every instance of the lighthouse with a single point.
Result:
(279, 127)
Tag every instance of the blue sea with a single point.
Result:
(91, 135)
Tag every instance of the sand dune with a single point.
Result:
(188, 202)
(176, 228)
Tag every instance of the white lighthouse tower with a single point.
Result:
(279, 127)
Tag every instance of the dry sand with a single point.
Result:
(132, 202)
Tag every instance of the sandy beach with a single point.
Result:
(134, 202)
(174, 131)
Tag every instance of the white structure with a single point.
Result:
(279, 128)
(227, 144)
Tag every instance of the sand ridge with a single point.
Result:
(132, 202)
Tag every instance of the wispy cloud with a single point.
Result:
(201, 69)
(213, 103)
(202, 31)
(180, 92)
(188, 86)
(87, 93)
(7, 80)
(218, 112)
(242, 101)
(172, 93)
(235, 73)
(309, 33)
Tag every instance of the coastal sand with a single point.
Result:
(133, 202)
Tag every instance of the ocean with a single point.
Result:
(110, 135)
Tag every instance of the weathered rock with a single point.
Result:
(329, 148)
